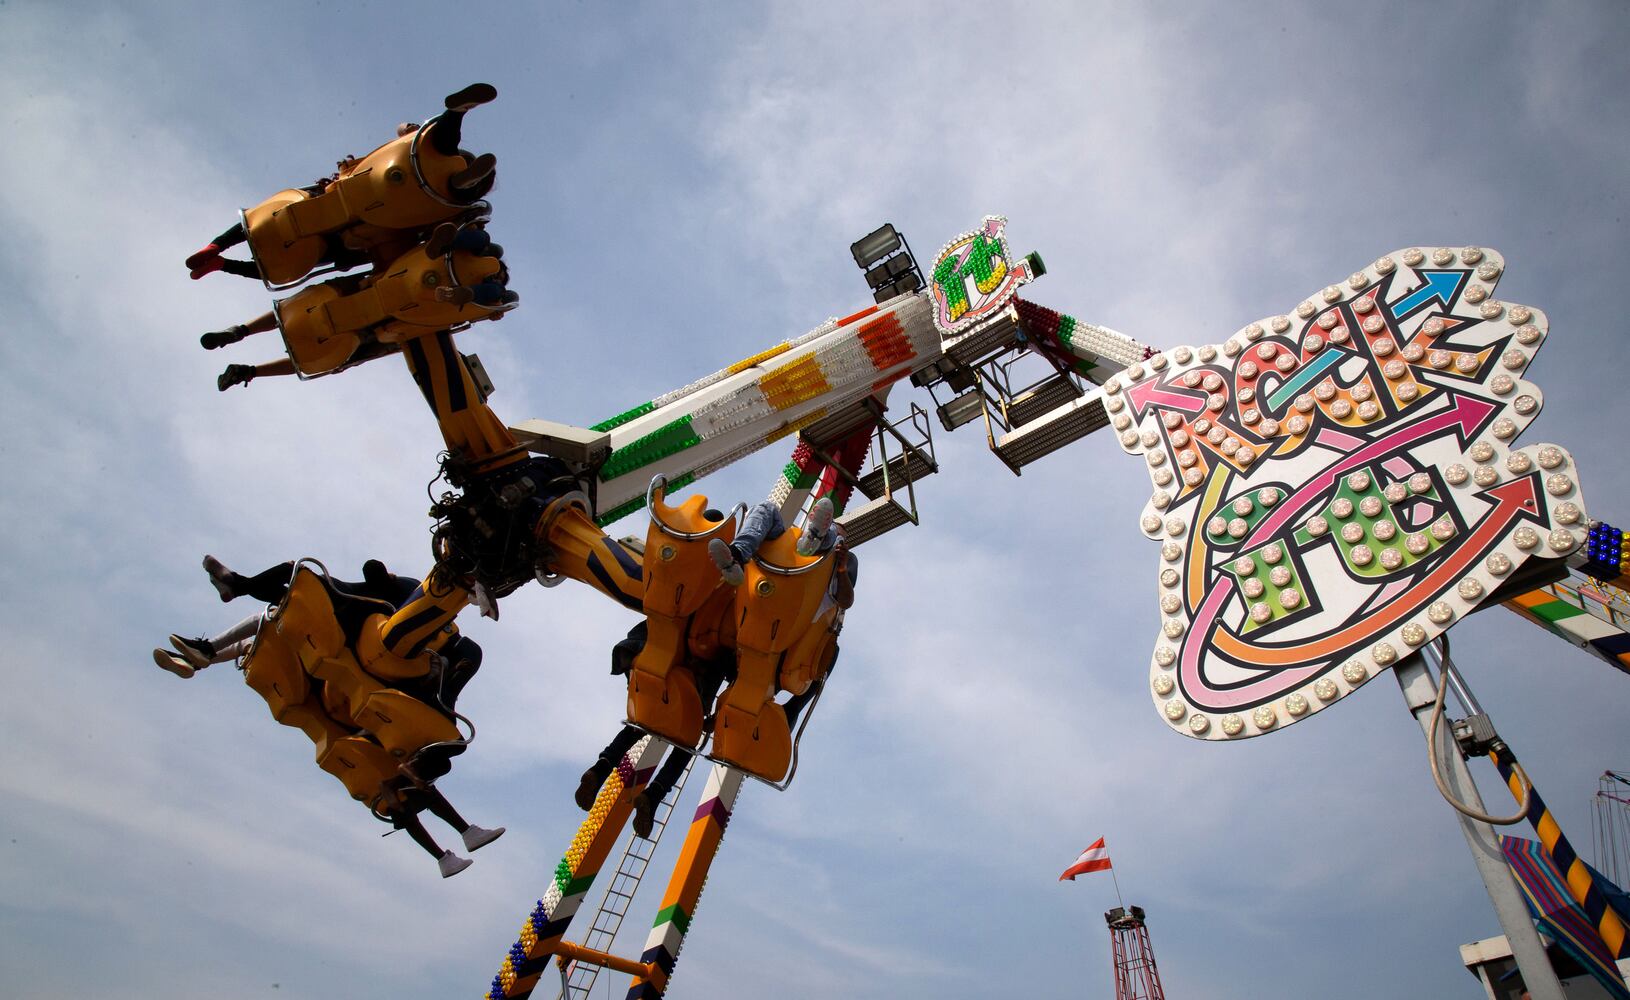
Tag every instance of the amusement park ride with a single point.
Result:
(1333, 489)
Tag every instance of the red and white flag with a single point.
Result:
(1094, 859)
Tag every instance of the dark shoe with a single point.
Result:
(492, 250)
(221, 338)
(198, 652)
(588, 789)
(479, 170)
(473, 96)
(441, 240)
(235, 375)
(209, 265)
(197, 260)
(645, 812)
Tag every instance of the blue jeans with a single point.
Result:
(762, 523)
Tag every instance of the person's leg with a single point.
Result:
(628, 647)
(817, 535)
(268, 586)
(588, 787)
(200, 652)
(651, 796)
(443, 810)
(447, 130)
(475, 837)
(233, 334)
(421, 836)
(231, 238)
(244, 374)
(243, 630)
(763, 522)
(463, 657)
(449, 863)
(466, 185)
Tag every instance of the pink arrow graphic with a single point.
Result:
(1151, 393)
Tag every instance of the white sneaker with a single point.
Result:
(476, 837)
(816, 527)
(725, 559)
(173, 663)
(451, 864)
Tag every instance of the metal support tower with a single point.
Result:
(1136, 977)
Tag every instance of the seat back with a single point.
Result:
(403, 724)
(312, 719)
(360, 764)
(306, 620)
(750, 730)
(781, 594)
(401, 185)
(274, 672)
(284, 250)
(679, 573)
(313, 342)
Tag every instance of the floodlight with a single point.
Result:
(962, 409)
(876, 245)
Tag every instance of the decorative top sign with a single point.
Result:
(1336, 489)
(974, 276)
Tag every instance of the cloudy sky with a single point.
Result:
(678, 190)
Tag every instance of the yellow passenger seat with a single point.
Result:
(679, 579)
(285, 250)
(322, 326)
(401, 185)
(360, 764)
(275, 673)
(775, 608)
(403, 724)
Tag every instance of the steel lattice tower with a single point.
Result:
(1136, 977)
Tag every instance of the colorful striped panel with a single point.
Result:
(1577, 875)
(689, 875)
(1557, 914)
(736, 410)
(886, 342)
(1576, 617)
(669, 439)
(529, 956)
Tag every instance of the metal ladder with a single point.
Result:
(620, 892)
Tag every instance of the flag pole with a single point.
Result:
(1118, 900)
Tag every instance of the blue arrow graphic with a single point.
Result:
(1440, 285)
